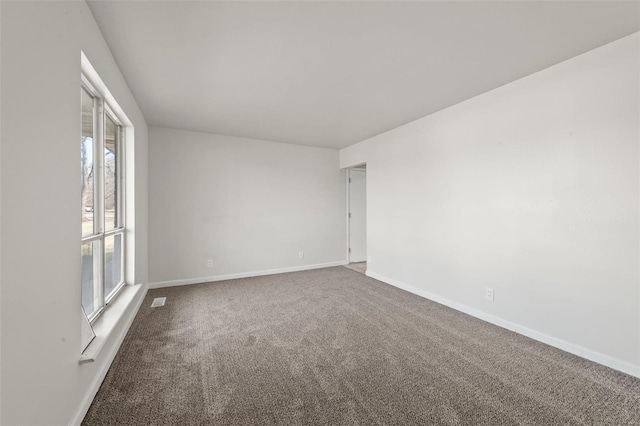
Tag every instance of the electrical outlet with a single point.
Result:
(209, 263)
(489, 294)
(300, 255)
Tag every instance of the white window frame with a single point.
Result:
(103, 109)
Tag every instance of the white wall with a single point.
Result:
(248, 205)
(531, 189)
(42, 382)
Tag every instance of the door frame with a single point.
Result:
(348, 204)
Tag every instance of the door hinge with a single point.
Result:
(349, 215)
(349, 249)
(349, 180)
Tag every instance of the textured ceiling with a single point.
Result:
(334, 73)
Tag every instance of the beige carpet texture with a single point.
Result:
(334, 347)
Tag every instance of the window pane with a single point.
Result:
(88, 282)
(113, 263)
(110, 173)
(86, 162)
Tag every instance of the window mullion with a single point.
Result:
(91, 238)
(121, 200)
(112, 232)
(99, 201)
(120, 179)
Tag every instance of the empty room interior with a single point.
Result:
(319, 212)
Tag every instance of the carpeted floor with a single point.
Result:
(331, 347)
(358, 267)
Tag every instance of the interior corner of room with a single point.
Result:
(438, 199)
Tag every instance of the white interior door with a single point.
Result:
(357, 215)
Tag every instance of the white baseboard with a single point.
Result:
(162, 284)
(616, 364)
(110, 355)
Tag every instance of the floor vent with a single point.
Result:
(158, 301)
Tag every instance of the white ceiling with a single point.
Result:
(334, 73)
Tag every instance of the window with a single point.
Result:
(102, 189)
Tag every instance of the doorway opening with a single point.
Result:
(357, 218)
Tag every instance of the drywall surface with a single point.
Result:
(0, 217)
(531, 189)
(42, 382)
(244, 204)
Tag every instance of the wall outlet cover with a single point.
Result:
(489, 294)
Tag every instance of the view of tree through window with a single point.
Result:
(86, 156)
(87, 173)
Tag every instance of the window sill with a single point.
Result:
(114, 318)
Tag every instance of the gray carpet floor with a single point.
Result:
(358, 267)
(331, 347)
